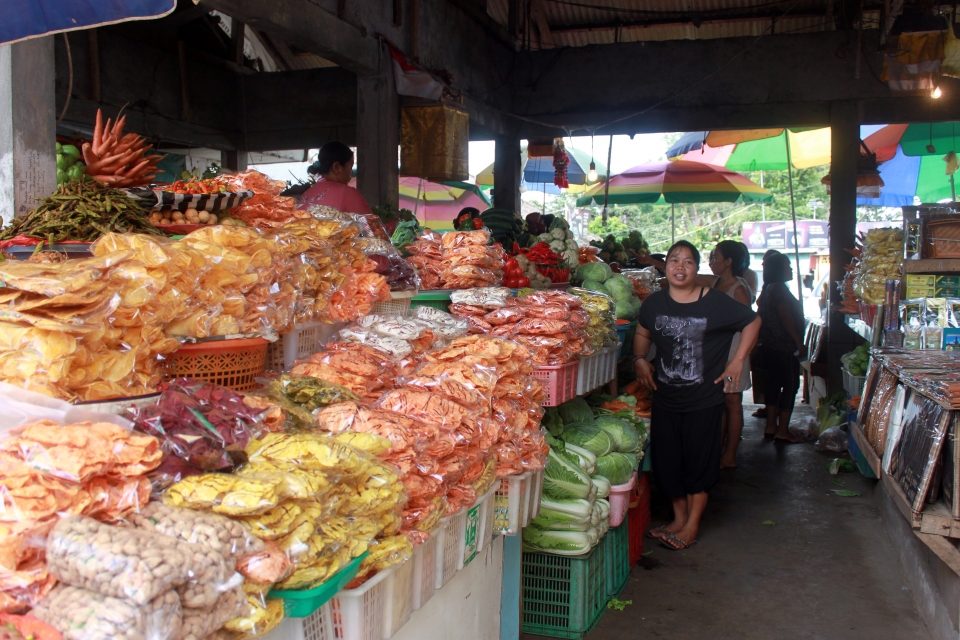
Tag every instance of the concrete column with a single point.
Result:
(507, 165)
(378, 135)
(845, 149)
(28, 126)
(235, 160)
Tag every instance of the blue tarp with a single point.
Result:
(900, 174)
(22, 19)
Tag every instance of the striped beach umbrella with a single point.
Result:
(677, 182)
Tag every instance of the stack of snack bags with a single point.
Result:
(468, 262)
(601, 310)
(364, 370)
(48, 470)
(550, 323)
(267, 208)
(426, 253)
(880, 260)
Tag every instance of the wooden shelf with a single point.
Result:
(945, 549)
(866, 450)
(935, 520)
(932, 265)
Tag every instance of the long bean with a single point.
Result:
(82, 211)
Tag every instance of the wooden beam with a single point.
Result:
(943, 548)
(938, 521)
(896, 494)
(540, 19)
(310, 28)
(93, 42)
(237, 40)
(679, 19)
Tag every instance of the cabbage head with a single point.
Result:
(628, 309)
(593, 439)
(598, 271)
(623, 434)
(594, 285)
(616, 467)
(619, 286)
(576, 411)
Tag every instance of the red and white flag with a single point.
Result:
(411, 79)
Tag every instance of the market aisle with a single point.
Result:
(826, 569)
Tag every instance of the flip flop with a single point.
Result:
(682, 545)
(652, 533)
(768, 436)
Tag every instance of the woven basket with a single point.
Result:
(943, 238)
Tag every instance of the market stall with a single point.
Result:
(229, 417)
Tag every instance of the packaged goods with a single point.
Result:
(80, 614)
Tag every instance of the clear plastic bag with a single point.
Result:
(834, 439)
(200, 623)
(80, 614)
(225, 536)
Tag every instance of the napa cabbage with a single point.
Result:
(586, 460)
(604, 509)
(563, 479)
(564, 543)
(603, 486)
(559, 521)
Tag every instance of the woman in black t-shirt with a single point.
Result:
(692, 327)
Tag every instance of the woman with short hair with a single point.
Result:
(781, 337)
(692, 327)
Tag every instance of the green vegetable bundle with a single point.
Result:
(69, 166)
(81, 210)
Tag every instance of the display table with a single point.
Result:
(467, 607)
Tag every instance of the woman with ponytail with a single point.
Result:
(334, 168)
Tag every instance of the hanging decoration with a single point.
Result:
(560, 162)
(869, 182)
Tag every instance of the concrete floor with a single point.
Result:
(826, 569)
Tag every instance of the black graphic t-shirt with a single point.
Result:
(693, 343)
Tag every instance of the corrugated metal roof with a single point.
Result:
(583, 22)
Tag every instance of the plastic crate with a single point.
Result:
(358, 614)
(853, 384)
(234, 364)
(620, 500)
(398, 598)
(588, 372)
(425, 571)
(563, 596)
(607, 368)
(626, 332)
(449, 547)
(477, 529)
(318, 626)
(857, 456)
(302, 604)
(511, 504)
(436, 299)
(560, 382)
(398, 305)
(617, 558)
(301, 342)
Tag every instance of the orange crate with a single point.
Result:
(560, 382)
(229, 363)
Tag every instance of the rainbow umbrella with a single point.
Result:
(436, 204)
(924, 139)
(755, 149)
(538, 172)
(907, 176)
(676, 182)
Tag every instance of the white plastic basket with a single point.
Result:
(587, 373)
(398, 305)
(449, 547)
(511, 503)
(398, 599)
(536, 491)
(478, 528)
(425, 571)
(853, 384)
(607, 367)
(358, 614)
(301, 342)
(620, 500)
(317, 626)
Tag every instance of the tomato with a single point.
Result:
(477, 223)
(523, 281)
(513, 282)
(511, 263)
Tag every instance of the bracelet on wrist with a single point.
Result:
(643, 357)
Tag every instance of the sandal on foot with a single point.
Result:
(652, 534)
(673, 543)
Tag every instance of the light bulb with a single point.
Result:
(592, 174)
(936, 93)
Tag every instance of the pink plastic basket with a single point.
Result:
(560, 382)
(620, 500)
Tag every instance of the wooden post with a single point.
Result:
(845, 149)
(378, 135)
(28, 166)
(237, 30)
(507, 166)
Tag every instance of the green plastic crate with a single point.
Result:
(563, 596)
(302, 604)
(616, 553)
(626, 333)
(436, 299)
